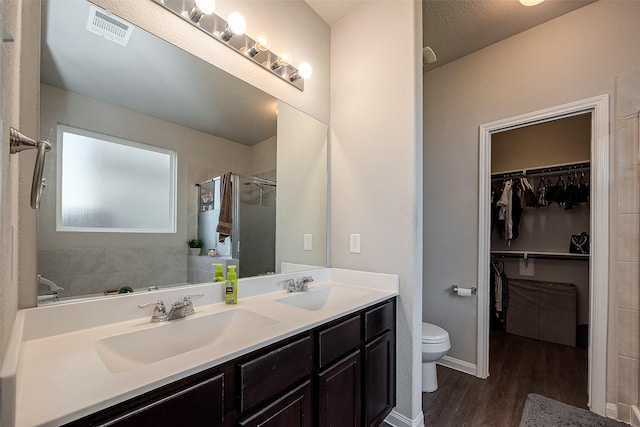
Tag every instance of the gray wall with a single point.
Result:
(588, 52)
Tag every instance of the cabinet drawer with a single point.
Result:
(338, 340)
(271, 373)
(295, 408)
(378, 320)
(197, 404)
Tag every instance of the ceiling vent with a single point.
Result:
(109, 26)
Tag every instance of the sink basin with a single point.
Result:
(318, 299)
(123, 352)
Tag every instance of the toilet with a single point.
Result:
(435, 344)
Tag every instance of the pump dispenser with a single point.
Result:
(231, 287)
(218, 275)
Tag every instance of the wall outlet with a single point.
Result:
(354, 243)
(308, 242)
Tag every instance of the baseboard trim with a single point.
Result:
(396, 419)
(611, 410)
(459, 365)
(635, 416)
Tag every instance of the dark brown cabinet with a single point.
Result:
(193, 401)
(340, 374)
(339, 393)
(379, 361)
(292, 409)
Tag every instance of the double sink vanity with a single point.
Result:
(302, 359)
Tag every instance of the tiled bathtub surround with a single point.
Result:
(93, 270)
(625, 288)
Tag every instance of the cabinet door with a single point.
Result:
(198, 405)
(339, 389)
(379, 382)
(292, 409)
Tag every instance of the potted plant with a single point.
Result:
(195, 246)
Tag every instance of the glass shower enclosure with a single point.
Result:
(253, 237)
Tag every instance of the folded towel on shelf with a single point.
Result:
(226, 208)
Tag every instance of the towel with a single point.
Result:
(226, 207)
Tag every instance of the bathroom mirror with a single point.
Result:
(139, 92)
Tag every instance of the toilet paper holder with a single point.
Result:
(455, 288)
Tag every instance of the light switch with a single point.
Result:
(354, 243)
(308, 242)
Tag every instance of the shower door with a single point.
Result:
(254, 225)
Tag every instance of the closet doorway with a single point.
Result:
(546, 233)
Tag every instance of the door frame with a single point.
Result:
(599, 231)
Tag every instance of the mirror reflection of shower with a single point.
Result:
(251, 245)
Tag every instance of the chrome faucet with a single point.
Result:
(184, 308)
(179, 309)
(159, 311)
(300, 285)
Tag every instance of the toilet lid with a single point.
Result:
(433, 333)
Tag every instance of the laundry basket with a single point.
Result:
(543, 310)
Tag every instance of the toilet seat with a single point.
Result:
(433, 334)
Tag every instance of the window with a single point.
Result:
(108, 184)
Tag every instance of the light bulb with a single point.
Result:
(206, 6)
(200, 8)
(283, 59)
(260, 44)
(237, 24)
(530, 2)
(303, 72)
(304, 69)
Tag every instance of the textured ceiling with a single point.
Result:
(455, 28)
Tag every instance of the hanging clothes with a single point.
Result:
(510, 209)
(516, 211)
(530, 199)
(505, 205)
(499, 296)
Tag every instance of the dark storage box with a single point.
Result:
(543, 310)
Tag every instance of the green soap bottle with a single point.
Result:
(218, 275)
(231, 287)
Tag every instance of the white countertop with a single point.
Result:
(53, 373)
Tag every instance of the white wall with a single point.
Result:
(301, 195)
(20, 74)
(579, 55)
(376, 166)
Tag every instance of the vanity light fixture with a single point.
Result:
(260, 44)
(201, 8)
(236, 26)
(231, 33)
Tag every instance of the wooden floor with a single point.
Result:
(517, 366)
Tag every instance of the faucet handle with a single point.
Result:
(187, 300)
(291, 285)
(303, 283)
(159, 311)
